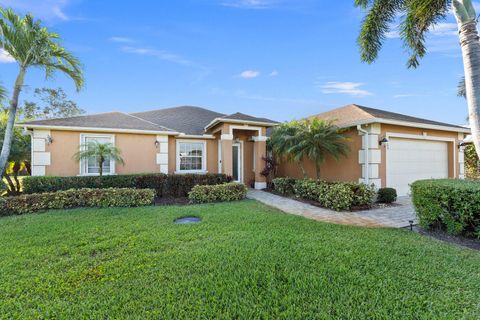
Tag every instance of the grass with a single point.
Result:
(244, 260)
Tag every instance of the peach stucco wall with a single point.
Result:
(345, 169)
(138, 151)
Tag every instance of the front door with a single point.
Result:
(237, 162)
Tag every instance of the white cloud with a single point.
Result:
(45, 9)
(441, 29)
(5, 57)
(249, 4)
(160, 54)
(274, 73)
(404, 95)
(349, 88)
(249, 74)
(121, 39)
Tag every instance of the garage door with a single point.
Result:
(409, 160)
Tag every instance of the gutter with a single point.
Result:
(366, 141)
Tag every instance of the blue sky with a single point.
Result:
(280, 59)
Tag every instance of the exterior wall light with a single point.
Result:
(462, 144)
(384, 141)
(157, 143)
(49, 139)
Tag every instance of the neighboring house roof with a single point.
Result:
(352, 115)
(186, 120)
(110, 120)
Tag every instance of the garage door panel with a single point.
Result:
(410, 160)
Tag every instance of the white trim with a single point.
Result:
(177, 156)
(194, 136)
(260, 185)
(405, 124)
(259, 138)
(246, 127)
(226, 137)
(389, 135)
(219, 157)
(92, 129)
(83, 164)
(240, 160)
(258, 123)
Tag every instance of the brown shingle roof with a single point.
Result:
(354, 114)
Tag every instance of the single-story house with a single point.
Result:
(175, 140)
(389, 149)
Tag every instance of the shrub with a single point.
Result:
(51, 184)
(450, 204)
(283, 185)
(111, 197)
(386, 195)
(218, 193)
(335, 195)
(176, 185)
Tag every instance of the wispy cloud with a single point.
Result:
(45, 9)
(5, 57)
(249, 74)
(404, 95)
(160, 54)
(274, 73)
(349, 88)
(121, 40)
(249, 4)
(441, 29)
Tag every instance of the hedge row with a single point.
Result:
(218, 193)
(30, 203)
(333, 195)
(176, 185)
(450, 204)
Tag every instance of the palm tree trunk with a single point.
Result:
(317, 169)
(470, 45)
(100, 167)
(303, 169)
(12, 114)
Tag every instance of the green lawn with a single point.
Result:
(244, 260)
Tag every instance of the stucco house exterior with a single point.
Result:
(389, 149)
(174, 140)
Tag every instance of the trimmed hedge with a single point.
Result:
(284, 185)
(386, 195)
(176, 185)
(450, 204)
(101, 198)
(333, 195)
(218, 193)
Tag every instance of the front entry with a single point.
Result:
(237, 162)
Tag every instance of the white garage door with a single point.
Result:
(409, 160)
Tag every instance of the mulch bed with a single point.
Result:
(444, 236)
(171, 201)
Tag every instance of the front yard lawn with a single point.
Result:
(244, 260)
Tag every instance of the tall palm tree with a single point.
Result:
(32, 45)
(317, 139)
(101, 152)
(418, 17)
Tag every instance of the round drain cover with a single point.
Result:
(187, 220)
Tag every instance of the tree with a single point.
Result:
(55, 105)
(314, 139)
(101, 152)
(418, 17)
(19, 158)
(32, 46)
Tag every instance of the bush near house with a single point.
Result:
(76, 198)
(176, 185)
(218, 193)
(386, 195)
(333, 195)
(450, 204)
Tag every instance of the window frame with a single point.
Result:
(84, 163)
(204, 156)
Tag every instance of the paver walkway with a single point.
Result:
(396, 217)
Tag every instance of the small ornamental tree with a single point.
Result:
(101, 152)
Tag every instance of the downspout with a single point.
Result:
(366, 142)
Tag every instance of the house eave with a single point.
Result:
(95, 129)
(405, 124)
(256, 123)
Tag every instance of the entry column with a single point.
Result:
(260, 152)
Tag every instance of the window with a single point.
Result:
(191, 156)
(90, 166)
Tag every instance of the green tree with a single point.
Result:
(32, 46)
(314, 139)
(52, 103)
(418, 17)
(101, 152)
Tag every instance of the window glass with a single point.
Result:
(191, 156)
(91, 166)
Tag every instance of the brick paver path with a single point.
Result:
(395, 217)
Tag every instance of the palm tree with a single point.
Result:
(32, 45)
(318, 138)
(101, 152)
(418, 18)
